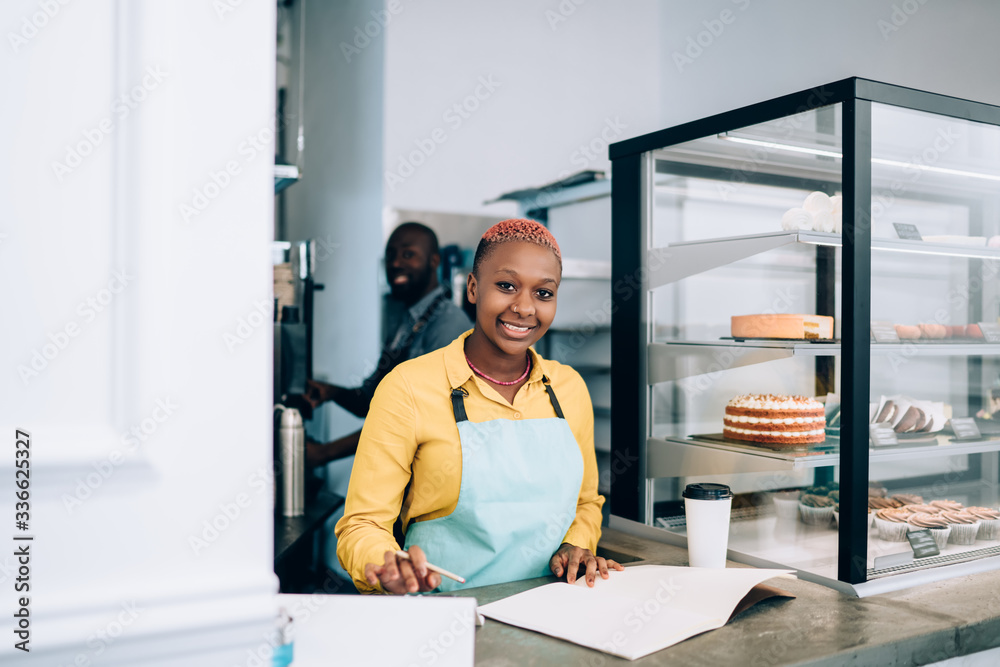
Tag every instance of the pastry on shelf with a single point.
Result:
(793, 326)
(819, 212)
(881, 503)
(950, 505)
(795, 219)
(933, 331)
(909, 415)
(964, 526)
(938, 525)
(907, 332)
(816, 510)
(892, 523)
(989, 522)
(775, 420)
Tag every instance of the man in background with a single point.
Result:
(419, 318)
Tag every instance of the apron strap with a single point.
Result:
(552, 398)
(458, 404)
(458, 401)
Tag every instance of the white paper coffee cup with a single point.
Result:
(706, 508)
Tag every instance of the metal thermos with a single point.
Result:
(292, 462)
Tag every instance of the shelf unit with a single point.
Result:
(839, 155)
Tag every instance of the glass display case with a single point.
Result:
(807, 308)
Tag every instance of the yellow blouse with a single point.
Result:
(411, 426)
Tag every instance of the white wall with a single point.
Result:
(562, 73)
(768, 49)
(563, 68)
(115, 576)
(339, 199)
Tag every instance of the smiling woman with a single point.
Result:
(483, 449)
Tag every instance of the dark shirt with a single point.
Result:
(446, 323)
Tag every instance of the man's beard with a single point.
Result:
(411, 291)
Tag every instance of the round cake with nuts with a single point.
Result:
(775, 420)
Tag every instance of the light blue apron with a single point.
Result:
(520, 485)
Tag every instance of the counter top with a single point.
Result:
(820, 627)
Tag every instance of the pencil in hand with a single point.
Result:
(434, 568)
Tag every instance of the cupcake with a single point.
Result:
(786, 504)
(816, 510)
(879, 503)
(989, 522)
(891, 523)
(964, 526)
(923, 509)
(938, 525)
(908, 499)
(950, 505)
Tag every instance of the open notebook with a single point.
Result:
(635, 612)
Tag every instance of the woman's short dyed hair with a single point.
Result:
(515, 229)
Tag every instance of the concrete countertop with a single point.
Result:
(820, 627)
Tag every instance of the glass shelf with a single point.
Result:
(688, 258)
(695, 456)
(675, 360)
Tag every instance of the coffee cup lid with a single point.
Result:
(707, 491)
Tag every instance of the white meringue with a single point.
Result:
(824, 221)
(795, 219)
(838, 205)
(818, 202)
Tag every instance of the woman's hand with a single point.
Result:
(399, 576)
(569, 559)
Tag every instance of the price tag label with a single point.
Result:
(923, 543)
(882, 435)
(965, 428)
(991, 331)
(884, 332)
(905, 231)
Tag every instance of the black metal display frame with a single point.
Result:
(629, 201)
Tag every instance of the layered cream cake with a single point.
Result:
(777, 421)
(782, 325)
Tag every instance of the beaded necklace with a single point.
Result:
(483, 375)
